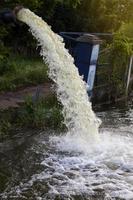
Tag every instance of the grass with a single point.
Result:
(17, 72)
(42, 114)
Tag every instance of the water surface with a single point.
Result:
(41, 166)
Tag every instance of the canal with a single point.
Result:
(39, 166)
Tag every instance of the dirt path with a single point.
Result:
(14, 99)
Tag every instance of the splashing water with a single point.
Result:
(71, 89)
(67, 167)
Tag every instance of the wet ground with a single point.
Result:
(39, 166)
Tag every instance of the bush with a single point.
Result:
(5, 127)
(127, 30)
(120, 52)
(5, 123)
(36, 113)
(41, 113)
(17, 72)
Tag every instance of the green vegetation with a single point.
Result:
(41, 113)
(120, 51)
(127, 30)
(104, 15)
(16, 72)
(66, 15)
(33, 114)
(116, 54)
(20, 65)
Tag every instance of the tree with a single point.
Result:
(68, 15)
(105, 15)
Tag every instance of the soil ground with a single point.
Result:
(15, 99)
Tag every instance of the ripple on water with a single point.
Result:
(102, 170)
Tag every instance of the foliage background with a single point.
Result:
(17, 68)
(66, 15)
(91, 16)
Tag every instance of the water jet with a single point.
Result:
(77, 110)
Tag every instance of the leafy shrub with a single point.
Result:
(127, 29)
(5, 124)
(16, 72)
(4, 127)
(6, 66)
(40, 113)
(120, 52)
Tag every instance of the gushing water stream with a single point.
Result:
(71, 89)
